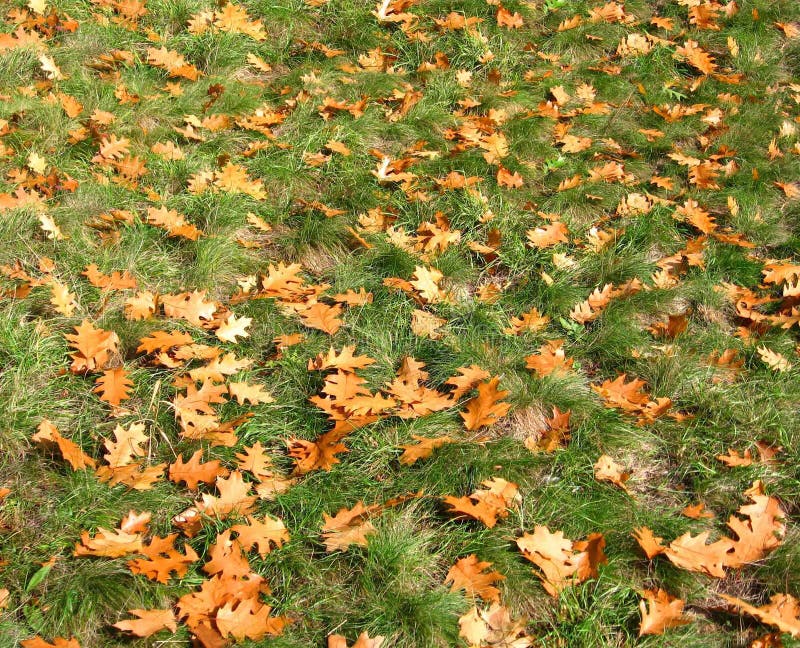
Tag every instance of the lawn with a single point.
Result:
(402, 325)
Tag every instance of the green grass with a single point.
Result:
(395, 585)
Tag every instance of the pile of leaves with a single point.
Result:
(410, 324)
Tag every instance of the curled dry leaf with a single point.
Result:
(493, 627)
(347, 527)
(488, 504)
(659, 612)
(48, 434)
(148, 622)
(363, 641)
(470, 575)
(487, 407)
(606, 469)
(560, 561)
(58, 642)
(422, 450)
(782, 612)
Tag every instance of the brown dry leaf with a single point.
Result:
(422, 450)
(244, 392)
(773, 359)
(551, 358)
(486, 504)
(319, 454)
(758, 532)
(561, 561)
(470, 575)
(347, 527)
(469, 378)
(363, 641)
(322, 317)
(195, 471)
(487, 407)
(234, 497)
(548, 235)
(734, 459)
(48, 434)
(109, 543)
(659, 612)
(425, 324)
(261, 534)
(113, 386)
(94, 347)
(606, 469)
(232, 328)
(696, 511)
(62, 299)
(193, 307)
(162, 559)
(127, 445)
(344, 360)
(173, 223)
(697, 57)
(58, 642)
(248, 619)
(493, 627)
(531, 321)
(148, 623)
(782, 612)
(426, 282)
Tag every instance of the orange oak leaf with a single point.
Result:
(113, 386)
(422, 450)
(162, 559)
(347, 527)
(322, 317)
(487, 407)
(659, 612)
(468, 379)
(734, 459)
(195, 471)
(94, 347)
(115, 281)
(248, 619)
(696, 511)
(470, 575)
(319, 454)
(233, 327)
(234, 496)
(127, 445)
(163, 340)
(344, 360)
(606, 469)
(550, 358)
(244, 392)
(548, 235)
(261, 534)
(47, 433)
(58, 642)
(532, 321)
(363, 641)
(148, 622)
(555, 436)
(193, 307)
(561, 561)
(782, 612)
(486, 505)
(494, 627)
(109, 543)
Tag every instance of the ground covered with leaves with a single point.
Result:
(411, 324)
